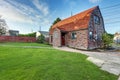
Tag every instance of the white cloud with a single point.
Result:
(41, 6)
(12, 10)
(94, 1)
(24, 15)
(11, 13)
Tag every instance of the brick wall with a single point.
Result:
(81, 42)
(17, 39)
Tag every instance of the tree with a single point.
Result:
(3, 26)
(56, 21)
(28, 35)
(41, 39)
(2, 30)
(106, 40)
(111, 35)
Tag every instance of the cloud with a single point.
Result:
(9, 12)
(41, 6)
(94, 1)
(18, 12)
(23, 17)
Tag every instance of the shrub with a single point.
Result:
(106, 40)
(41, 39)
(28, 35)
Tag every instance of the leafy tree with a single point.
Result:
(56, 21)
(111, 35)
(106, 40)
(41, 39)
(32, 34)
(2, 30)
(28, 35)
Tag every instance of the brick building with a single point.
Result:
(81, 31)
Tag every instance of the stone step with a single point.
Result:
(119, 78)
(96, 61)
(110, 67)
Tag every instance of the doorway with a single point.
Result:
(63, 39)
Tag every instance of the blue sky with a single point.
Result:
(28, 15)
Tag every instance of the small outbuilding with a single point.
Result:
(44, 33)
(13, 32)
(82, 31)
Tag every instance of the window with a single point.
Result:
(73, 35)
(91, 35)
(96, 20)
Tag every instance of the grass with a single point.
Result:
(47, 64)
(24, 44)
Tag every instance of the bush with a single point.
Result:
(41, 39)
(106, 40)
(28, 35)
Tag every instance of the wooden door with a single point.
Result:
(63, 40)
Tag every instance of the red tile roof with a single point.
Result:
(78, 21)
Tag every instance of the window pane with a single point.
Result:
(96, 20)
(73, 35)
(91, 35)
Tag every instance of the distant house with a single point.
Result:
(116, 38)
(13, 32)
(44, 33)
(81, 31)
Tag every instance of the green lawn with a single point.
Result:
(24, 44)
(47, 64)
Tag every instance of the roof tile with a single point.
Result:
(78, 21)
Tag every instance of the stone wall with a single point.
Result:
(81, 42)
(56, 38)
(97, 29)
